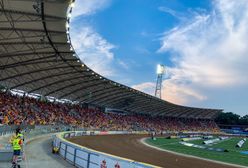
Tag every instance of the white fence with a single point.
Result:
(83, 157)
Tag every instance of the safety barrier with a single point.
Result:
(4, 130)
(83, 157)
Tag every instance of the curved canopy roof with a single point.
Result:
(36, 56)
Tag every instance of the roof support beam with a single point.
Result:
(147, 106)
(33, 42)
(36, 71)
(62, 73)
(16, 54)
(69, 86)
(166, 112)
(30, 30)
(56, 82)
(26, 61)
(119, 94)
(30, 14)
(150, 109)
(81, 88)
(48, 35)
(173, 111)
(99, 92)
(32, 63)
(117, 99)
(107, 95)
(140, 99)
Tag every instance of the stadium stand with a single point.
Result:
(38, 112)
(38, 58)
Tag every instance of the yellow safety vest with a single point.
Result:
(15, 144)
(20, 135)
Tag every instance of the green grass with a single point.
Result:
(233, 156)
(197, 142)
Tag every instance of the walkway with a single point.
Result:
(39, 155)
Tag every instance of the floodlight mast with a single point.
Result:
(160, 73)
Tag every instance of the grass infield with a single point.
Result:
(233, 156)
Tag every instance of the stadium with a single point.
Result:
(60, 105)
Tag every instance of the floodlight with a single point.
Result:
(160, 69)
(67, 25)
(73, 4)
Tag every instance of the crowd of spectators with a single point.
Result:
(15, 110)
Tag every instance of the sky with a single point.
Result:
(203, 44)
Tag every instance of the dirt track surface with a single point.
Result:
(129, 146)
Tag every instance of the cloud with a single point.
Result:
(94, 50)
(147, 87)
(172, 12)
(88, 7)
(208, 52)
(174, 91)
(123, 64)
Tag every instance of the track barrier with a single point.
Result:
(83, 157)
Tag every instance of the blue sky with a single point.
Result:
(202, 44)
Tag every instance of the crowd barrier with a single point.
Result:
(83, 157)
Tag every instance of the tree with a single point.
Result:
(228, 118)
(244, 120)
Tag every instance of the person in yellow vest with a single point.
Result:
(17, 146)
(18, 133)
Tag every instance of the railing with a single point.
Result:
(4, 130)
(83, 157)
(29, 132)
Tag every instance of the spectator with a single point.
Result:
(36, 112)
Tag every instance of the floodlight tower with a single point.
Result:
(160, 73)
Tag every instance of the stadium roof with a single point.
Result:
(36, 56)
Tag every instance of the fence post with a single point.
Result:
(59, 146)
(88, 162)
(74, 159)
(65, 150)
